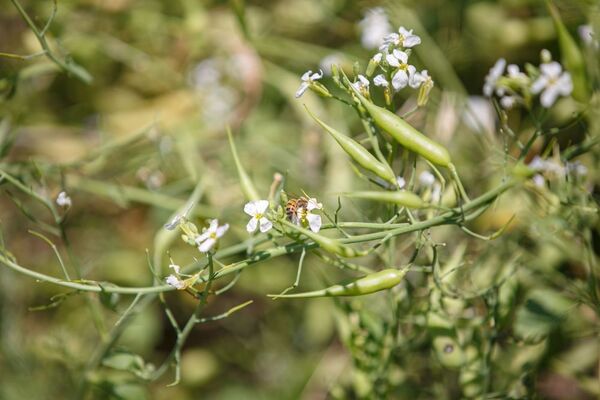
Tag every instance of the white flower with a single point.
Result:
(175, 268)
(397, 58)
(401, 182)
(479, 115)
(507, 102)
(401, 78)
(375, 26)
(577, 168)
(305, 216)
(404, 38)
(407, 38)
(415, 79)
(492, 77)
(362, 84)
(538, 180)
(550, 166)
(380, 80)
(553, 82)
(175, 282)
(63, 200)
(377, 58)
(256, 209)
(514, 72)
(587, 35)
(208, 239)
(307, 79)
(426, 178)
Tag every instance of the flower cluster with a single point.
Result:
(515, 87)
(63, 200)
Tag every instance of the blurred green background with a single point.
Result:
(167, 77)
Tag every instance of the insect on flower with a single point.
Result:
(298, 211)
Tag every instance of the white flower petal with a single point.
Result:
(401, 182)
(401, 56)
(539, 84)
(252, 225)
(175, 268)
(302, 89)
(313, 204)
(175, 282)
(221, 230)
(548, 97)
(565, 84)
(261, 206)
(400, 80)
(392, 61)
(551, 70)
(174, 223)
(306, 76)
(207, 245)
(250, 208)
(205, 235)
(317, 75)
(411, 41)
(314, 222)
(380, 80)
(377, 57)
(265, 225)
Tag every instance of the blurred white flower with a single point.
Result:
(380, 80)
(375, 26)
(175, 282)
(492, 77)
(552, 82)
(208, 239)
(479, 115)
(588, 36)
(377, 57)
(328, 61)
(514, 72)
(400, 182)
(577, 168)
(176, 268)
(426, 178)
(538, 180)
(507, 102)
(63, 200)
(307, 79)
(256, 209)
(539, 164)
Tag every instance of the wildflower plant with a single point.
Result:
(443, 280)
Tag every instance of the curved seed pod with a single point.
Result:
(400, 197)
(571, 55)
(358, 153)
(246, 184)
(405, 134)
(328, 244)
(378, 281)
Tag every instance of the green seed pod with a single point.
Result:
(247, 186)
(571, 56)
(401, 197)
(375, 282)
(327, 244)
(358, 153)
(405, 134)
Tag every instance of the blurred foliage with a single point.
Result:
(517, 317)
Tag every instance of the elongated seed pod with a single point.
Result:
(358, 153)
(571, 55)
(246, 184)
(405, 134)
(401, 197)
(375, 282)
(327, 244)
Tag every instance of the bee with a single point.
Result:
(292, 207)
